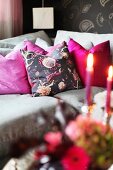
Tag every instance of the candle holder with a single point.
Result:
(107, 117)
(87, 110)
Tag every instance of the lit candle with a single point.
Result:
(109, 88)
(89, 73)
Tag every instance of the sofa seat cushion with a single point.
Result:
(76, 97)
(19, 113)
(16, 106)
(18, 117)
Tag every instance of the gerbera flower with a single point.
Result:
(75, 158)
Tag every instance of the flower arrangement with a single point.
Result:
(95, 138)
(70, 141)
(74, 142)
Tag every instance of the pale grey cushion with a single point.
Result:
(39, 42)
(21, 44)
(5, 51)
(29, 36)
(6, 45)
(81, 38)
(42, 43)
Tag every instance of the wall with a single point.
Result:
(88, 15)
(76, 15)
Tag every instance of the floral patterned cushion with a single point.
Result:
(51, 74)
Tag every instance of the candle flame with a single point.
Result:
(90, 60)
(110, 72)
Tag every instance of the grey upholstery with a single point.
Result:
(18, 113)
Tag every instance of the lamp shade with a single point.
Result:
(43, 18)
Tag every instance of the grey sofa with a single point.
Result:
(18, 113)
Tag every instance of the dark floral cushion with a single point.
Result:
(51, 74)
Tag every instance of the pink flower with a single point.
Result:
(75, 159)
(82, 120)
(53, 139)
(73, 131)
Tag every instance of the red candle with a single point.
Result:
(89, 74)
(109, 88)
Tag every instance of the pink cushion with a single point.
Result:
(102, 60)
(13, 77)
(30, 46)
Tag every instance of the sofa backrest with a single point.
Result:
(7, 45)
(87, 40)
(30, 36)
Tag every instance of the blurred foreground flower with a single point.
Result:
(75, 158)
(95, 138)
(70, 141)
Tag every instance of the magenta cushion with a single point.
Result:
(102, 60)
(30, 46)
(13, 76)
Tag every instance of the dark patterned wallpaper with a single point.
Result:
(74, 15)
(88, 15)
